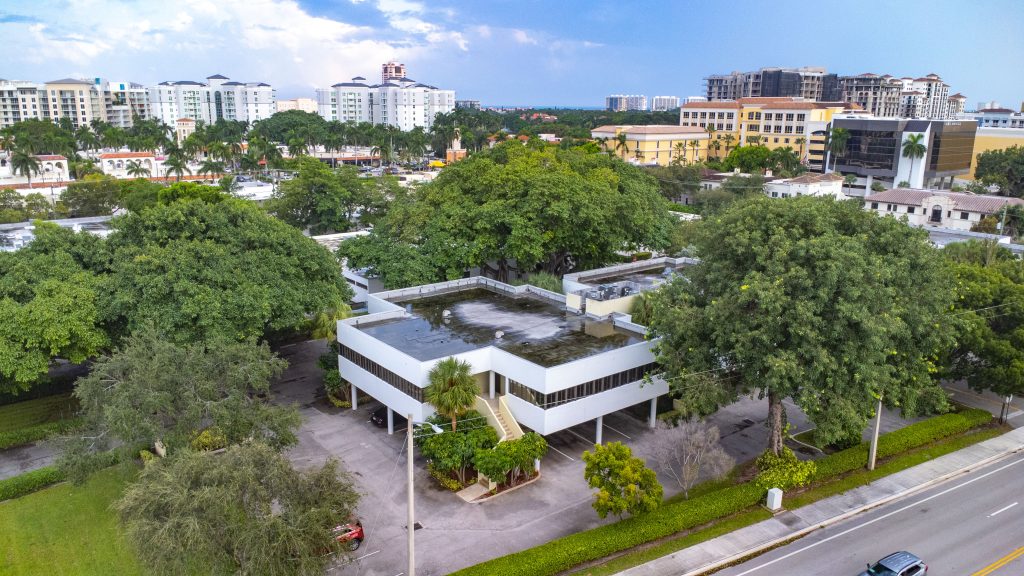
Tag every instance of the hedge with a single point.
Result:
(37, 432)
(673, 517)
(569, 551)
(28, 482)
(899, 441)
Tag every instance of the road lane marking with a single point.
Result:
(1002, 510)
(618, 431)
(562, 453)
(883, 517)
(1000, 563)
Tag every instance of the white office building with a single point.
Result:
(542, 360)
(218, 99)
(20, 100)
(400, 102)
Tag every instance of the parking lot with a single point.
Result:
(455, 534)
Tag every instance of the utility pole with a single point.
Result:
(873, 450)
(412, 548)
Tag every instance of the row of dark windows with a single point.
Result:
(396, 381)
(560, 397)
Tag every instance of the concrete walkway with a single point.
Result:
(731, 547)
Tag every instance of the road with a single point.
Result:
(971, 526)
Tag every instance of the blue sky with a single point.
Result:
(556, 52)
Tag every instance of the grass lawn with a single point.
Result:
(67, 530)
(37, 411)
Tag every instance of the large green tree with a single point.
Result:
(94, 195)
(990, 350)
(321, 198)
(811, 299)
(246, 511)
(1004, 168)
(199, 270)
(153, 389)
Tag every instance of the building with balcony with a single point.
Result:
(938, 208)
(77, 100)
(811, 83)
(400, 102)
(536, 362)
(664, 103)
(885, 95)
(625, 103)
(218, 99)
(20, 100)
(303, 104)
(653, 144)
(123, 102)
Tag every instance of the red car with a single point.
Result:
(350, 534)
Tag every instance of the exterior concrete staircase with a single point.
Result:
(499, 417)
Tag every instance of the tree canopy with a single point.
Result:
(201, 270)
(812, 299)
(246, 511)
(537, 209)
(1004, 168)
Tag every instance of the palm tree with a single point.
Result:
(914, 148)
(753, 140)
(837, 139)
(325, 323)
(176, 165)
(210, 167)
(452, 389)
(715, 145)
(848, 181)
(680, 150)
(800, 147)
(24, 162)
(136, 169)
(710, 129)
(621, 145)
(729, 139)
(695, 146)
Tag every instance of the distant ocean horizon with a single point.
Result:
(541, 106)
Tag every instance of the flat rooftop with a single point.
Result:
(532, 328)
(644, 278)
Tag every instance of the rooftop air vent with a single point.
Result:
(498, 334)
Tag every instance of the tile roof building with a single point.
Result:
(654, 144)
(940, 208)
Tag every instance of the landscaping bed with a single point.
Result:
(675, 518)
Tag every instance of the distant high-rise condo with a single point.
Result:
(81, 101)
(812, 83)
(468, 104)
(399, 102)
(663, 103)
(887, 96)
(218, 99)
(303, 104)
(623, 102)
(391, 70)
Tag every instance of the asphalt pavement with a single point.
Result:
(970, 526)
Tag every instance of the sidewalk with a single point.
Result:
(731, 547)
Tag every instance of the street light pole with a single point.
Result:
(412, 547)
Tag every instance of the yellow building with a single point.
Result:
(993, 139)
(654, 144)
(75, 99)
(774, 122)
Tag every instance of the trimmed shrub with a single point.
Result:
(565, 553)
(29, 482)
(37, 432)
(147, 457)
(209, 439)
(783, 471)
(444, 478)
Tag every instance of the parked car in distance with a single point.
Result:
(897, 564)
(350, 534)
(380, 418)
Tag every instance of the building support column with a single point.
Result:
(600, 428)
(391, 421)
(867, 186)
(355, 397)
(652, 421)
(491, 378)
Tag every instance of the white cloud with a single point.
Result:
(272, 40)
(483, 31)
(522, 37)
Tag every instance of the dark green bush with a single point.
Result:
(29, 482)
(564, 553)
(37, 432)
(913, 436)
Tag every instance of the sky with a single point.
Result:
(515, 52)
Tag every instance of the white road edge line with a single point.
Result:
(618, 432)
(562, 453)
(1004, 509)
(883, 517)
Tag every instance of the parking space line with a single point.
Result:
(562, 453)
(618, 432)
(368, 555)
(587, 440)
